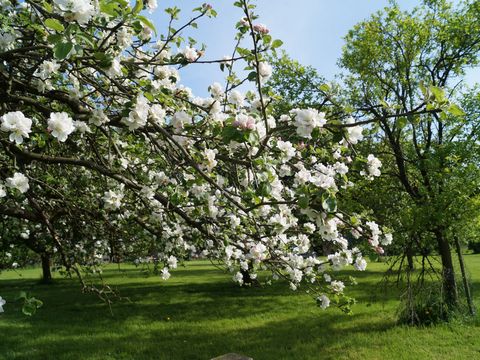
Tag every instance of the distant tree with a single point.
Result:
(405, 70)
(295, 85)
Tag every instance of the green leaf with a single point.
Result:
(31, 305)
(252, 76)
(54, 24)
(149, 96)
(384, 104)
(105, 61)
(138, 7)
(109, 8)
(147, 23)
(124, 3)
(251, 137)
(243, 51)
(438, 93)
(264, 189)
(303, 201)
(324, 87)
(230, 133)
(48, 8)
(86, 38)
(336, 137)
(72, 28)
(329, 202)
(423, 89)
(54, 38)
(62, 50)
(276, 43)
(402, 122)
(455, 110)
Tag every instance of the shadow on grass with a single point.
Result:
(199, 314)
(259, 326)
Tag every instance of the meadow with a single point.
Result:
(200, 313)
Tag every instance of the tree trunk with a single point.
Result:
(448, 272)
(409, 253)
(47, 274)
(464, 276)
(247, 280)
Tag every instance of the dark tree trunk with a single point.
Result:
(409, 253)
(448, 272)
(46, 271)
(468, 294)
(247, 280)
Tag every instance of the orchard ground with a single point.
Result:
(200, 313)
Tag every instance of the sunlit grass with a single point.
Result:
(200, 313)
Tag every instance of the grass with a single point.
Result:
(199, 313)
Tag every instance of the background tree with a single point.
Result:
(295, 85)
(404, 72)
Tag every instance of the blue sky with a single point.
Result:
(312, 31)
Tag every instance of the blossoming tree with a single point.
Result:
(99, 134)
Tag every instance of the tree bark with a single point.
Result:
(46, 271)
(409, 254)
(464, 276)
(450, 293)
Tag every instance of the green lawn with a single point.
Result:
(200, 313)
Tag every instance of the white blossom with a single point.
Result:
(190, 54)
(373, 165)
(7, 41)
(387, 239)
(124, 38)
(210, 158)
(172, 262)
(79, 10)
(2, 302)
(287, 150)
(238, 277)
(258, 252)
(46, 69)
(264, 70)
(112, 199)
(360, 263)
(81, 127)
(138, 116)
(244, 122)
(17, 124)
(337, 286)
(98, 117)
(323, 301)
(19, 182)
(157, 113)
(261, 28)
(179, 119)
(115, 69)
(354, 133)
(165, 273)
(60, 125)
(151, 5)
(236, 98)
(307, 120)
(216, 90)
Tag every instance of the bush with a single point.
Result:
(474, 246)
(425, 307)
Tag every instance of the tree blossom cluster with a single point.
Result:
(163, 174)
